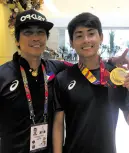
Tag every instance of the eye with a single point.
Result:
(27, 33)
(78, 36)
(92, 33)
(40, 32)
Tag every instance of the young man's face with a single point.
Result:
(32, 41)
(86, 41)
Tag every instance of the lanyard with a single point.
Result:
(28, 94)
(104, 75)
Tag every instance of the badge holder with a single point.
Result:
(39, 132)
(38, 137)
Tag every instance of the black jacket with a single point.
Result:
(14, 112)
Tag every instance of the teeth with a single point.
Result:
(86, 47)
(36, 46)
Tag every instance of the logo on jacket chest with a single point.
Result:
(71, 85)
(14, 85)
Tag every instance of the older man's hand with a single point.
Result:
(121, 60)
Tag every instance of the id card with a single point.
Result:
(38, 137)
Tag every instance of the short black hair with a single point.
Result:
(85, 19)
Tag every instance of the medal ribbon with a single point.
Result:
(104, 75)
(28, 94)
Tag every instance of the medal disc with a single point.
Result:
(117, 76)
(120, 73)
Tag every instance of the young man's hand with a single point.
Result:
(126, 82)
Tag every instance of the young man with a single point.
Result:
(26, 89)
(85, 95)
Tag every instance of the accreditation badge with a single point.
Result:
(38, 137)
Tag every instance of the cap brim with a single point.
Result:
(44, 24)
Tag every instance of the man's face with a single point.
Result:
(86, 41)
(32, 41)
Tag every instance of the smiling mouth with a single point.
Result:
(88, 47)
(36, 46)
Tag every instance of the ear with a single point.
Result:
(17, 43)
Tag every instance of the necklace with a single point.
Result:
(34, 72)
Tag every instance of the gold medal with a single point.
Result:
(117, 76)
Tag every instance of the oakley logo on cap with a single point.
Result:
(32, 16)
(72, 84)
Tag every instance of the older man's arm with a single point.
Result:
(121, 60)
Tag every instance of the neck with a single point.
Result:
(90, 62)
(34, 61)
